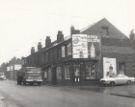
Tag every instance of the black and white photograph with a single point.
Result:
(67, 53)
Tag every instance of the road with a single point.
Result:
(50, 96)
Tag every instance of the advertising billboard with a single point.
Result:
(79, 46)
(86, 46)
(109, 67)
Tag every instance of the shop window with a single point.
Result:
(63, 51)
(90, 72)
(49, 74)
(69, 50)
(59, 73)
(66, 73)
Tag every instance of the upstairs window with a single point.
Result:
(63, 51)
(69, 49)
(105, 29)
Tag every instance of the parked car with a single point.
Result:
(2, 77)
(117, 80)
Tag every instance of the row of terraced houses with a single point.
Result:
(86, 56)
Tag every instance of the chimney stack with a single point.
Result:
(74, 31)
(132, 35)
(132, 38)
(60, 37)
(39, 47)
(32, 50)
(48, 42)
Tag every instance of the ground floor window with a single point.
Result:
(90, 72)
(59, 73)
(66, 73)
(49, 74)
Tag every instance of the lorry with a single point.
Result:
(29, 75)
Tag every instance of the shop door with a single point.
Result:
(54, 79)
(77, 74)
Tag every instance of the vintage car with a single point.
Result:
(2, 77)
(117, 80)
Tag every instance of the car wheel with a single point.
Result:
(129, 82)
(24, 83)
(39, 84)
(112, 83)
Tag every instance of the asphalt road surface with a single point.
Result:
(49, 96)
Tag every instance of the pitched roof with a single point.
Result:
(99, 27)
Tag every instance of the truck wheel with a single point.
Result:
(24, 83)
(112, 83)
(18, 83)
(39, 84)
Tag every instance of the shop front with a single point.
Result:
(76, 72)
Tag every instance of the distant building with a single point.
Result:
(86, 56)
(14, 65)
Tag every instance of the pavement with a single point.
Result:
(122, 90)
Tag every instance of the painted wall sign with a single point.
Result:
(86, 46)
(80, 46)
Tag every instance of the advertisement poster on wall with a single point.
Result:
(94, 46)
(80, 46)
(109, 67)
(86, 46)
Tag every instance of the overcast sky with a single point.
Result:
(23, 23)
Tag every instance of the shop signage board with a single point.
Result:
(17, 67)
(86, 46)
(109, 67)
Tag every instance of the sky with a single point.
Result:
(24, 23)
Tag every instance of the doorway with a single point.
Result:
(76, 74)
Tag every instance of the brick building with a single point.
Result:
(100, 47)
